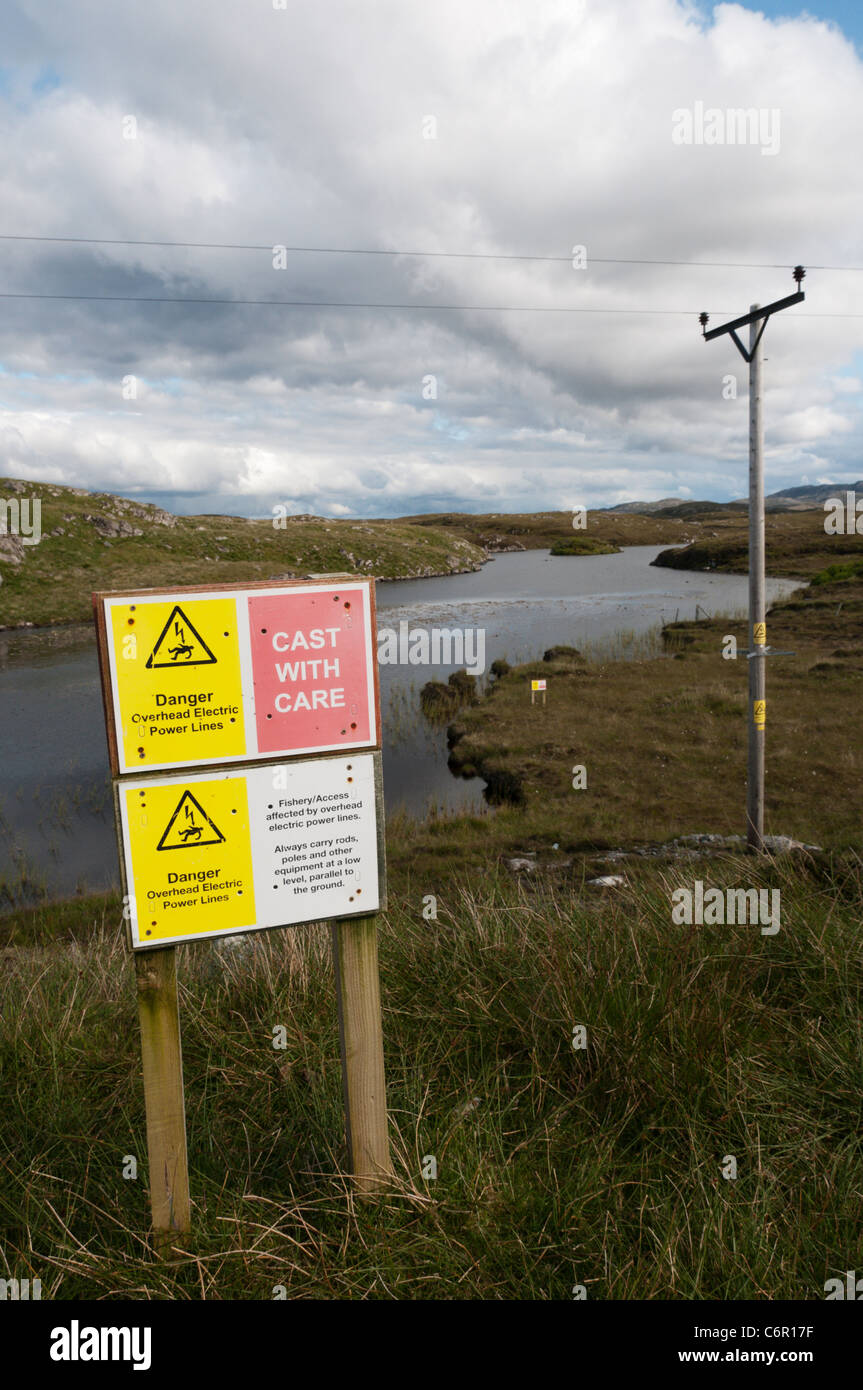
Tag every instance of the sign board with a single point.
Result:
(209, 854)
(197, 680)
(537, 685)
(226, 674)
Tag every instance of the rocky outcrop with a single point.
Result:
(496, 545)
(112, 525)
(12, 549)
(704, 846)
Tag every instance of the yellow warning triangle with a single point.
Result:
(189, 826)
(180, 644)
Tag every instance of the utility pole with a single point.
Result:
(757, 616)
(758, 648)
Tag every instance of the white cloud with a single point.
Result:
(304, 127)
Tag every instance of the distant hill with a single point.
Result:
(688, 510)
(788, 499)
(814, 495)
(645, 508)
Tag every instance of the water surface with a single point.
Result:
(56, 810)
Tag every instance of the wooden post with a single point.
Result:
(159, 1014)
(358, 995)
(757, 631)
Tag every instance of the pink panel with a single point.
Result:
(310, 672)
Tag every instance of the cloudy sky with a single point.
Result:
(503, 130)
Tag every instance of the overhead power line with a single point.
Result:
(336, 304)
(357, 304)
(440, 255)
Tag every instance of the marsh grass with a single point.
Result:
(663, 737)
(628, 644)
(555, 1166)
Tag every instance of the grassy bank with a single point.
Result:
(664, 740)
(496, 531)
(796, 545)
(98, 541)
(556, 1166)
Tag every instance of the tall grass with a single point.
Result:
(628, 644)
(555, 1166)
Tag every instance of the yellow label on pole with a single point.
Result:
(759, 634)
(178, 693)
(537, 685)
(759, 713)
(191, 857)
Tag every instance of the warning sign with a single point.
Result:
(196, 678)
(279, 844)
(180, 644)
(311, 669)
(177, 687)
(189, 826)
(207, 876)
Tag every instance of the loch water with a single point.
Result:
(56, 813)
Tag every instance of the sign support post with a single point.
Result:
(158, 1011)
(358, 996)
(244, 737)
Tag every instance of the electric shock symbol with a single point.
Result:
(180, 644)
(190, 826)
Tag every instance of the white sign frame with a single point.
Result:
(366, 774)
(105, 603)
